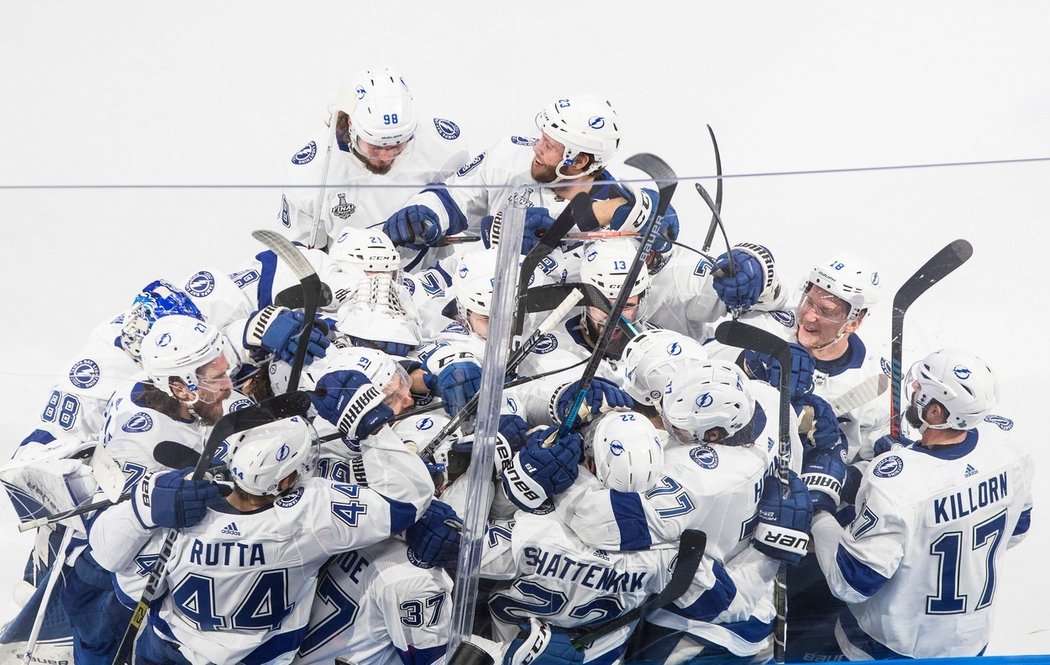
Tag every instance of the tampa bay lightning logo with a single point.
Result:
(784, 318)
(616, 448)
(200, 284)
(512, 406)
(467, 168)
(140, 422)
(290, 499)
(283, 452)
(596, 122)
(705, 400)
(874, 279)
(1002, 422)
(164, 340)
(592, 255)
(889, 467)
(409, 284)
(416, 561)
(524, 140)
(463, 272)
(242, 403)
(447, 129)
(84, 373)
(306, 155)
(674, 349)
(424, 424)
(704, 456)
(962, 372)
(546, 344)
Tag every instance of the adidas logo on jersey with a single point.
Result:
(231, 529)
(970, 471)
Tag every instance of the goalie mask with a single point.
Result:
(714, 395)
(627, 451)
(180, 347)
(365, 252)
(957, 380)
(157, 299)
(264, 456)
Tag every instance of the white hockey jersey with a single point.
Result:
(681, 296)
(242, 584)
(917, 566)
(354, 196)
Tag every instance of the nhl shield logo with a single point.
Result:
(343, 210)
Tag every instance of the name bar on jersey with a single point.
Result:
(589, 575)
(960, 504)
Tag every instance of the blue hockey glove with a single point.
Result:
(537, 222)
(640, 211)
(741, 286)
(887, 443)
(537, 473)
(767, 368)
(539, 643)
(414, 226)
(434, 539)
(783, 523)
(601, 396)
(276, 329)
(818, 427)
(490, 228)
(824, 473)
(453, 374)
(171, 500)
(348, 400)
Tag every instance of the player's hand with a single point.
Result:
(348, 400)
(824, 473)
(539, 643)
(767, 368)
(453, 374)
(537, 473)
(818, 427)
(537, 222)
(886, 443)
(601, 396)
(277, 329)
(414, 226)
(434, 539)
(172, 500)
(783, 522)
(741, 286)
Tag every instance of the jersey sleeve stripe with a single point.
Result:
(630, 520)
(865, 580)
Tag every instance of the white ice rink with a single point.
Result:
(211, 99)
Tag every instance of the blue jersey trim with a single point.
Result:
(265, 288)
(866, 643)
(457, 221)
(38, 436)
(417, 656)
(954, 451)
(630, 520)
(853, 358)
(858, 575)
(715, 600)
(1023, 522)
(402, 515)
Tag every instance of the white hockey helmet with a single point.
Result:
(606, 265)
(652, 358)
(475, 278)
(627, 450)
(380, 108)
(960, 381)
(368, 250)
(378, 366)
(703, 396)
(157, 299)
(848, 277)
(583, 124)
(264, 456)
(177, 346)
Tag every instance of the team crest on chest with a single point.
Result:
(343, 210)
(889, 467)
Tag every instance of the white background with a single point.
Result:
(222, 94)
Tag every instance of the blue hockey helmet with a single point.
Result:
(157, 299)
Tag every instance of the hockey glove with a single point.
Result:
(537, 222)
(537, 473)
(171, 500)
(601, 396)
(454, 375)
(824, 473)
(348, 400)
(767, 368)
(490, 228)
(817, 425)
(539, 643)
(887, 443)
(639, 212)
(434, 539)
(414, 226)
(783, 523)
(752, 274)
(276, 330)
(510, 438)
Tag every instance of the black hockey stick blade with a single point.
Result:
(661, 173)
(690, 552)
(293, 297)
(175, 455)
(718, 193)
(466, 653)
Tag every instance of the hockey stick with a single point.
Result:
(276, 408)
(72, 512)
(293, 297)
(744, 336)
(52, 579)
(690, 552)
(311, 290)
(333, 123)
(716, 220)
(953, 255)
(665, 177)
(718, 195)
(517, 357)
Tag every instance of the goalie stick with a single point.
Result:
(311, 291)
(942, 264)
(658, 170)
(735, 333)
(276, 408)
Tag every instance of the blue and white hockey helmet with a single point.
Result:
(705, 396)
(582, 124)
(177, 346)
(628, 452)
(157, 299)
(380, 108)
(960, 381)
(849, 278)
(652, 358)
(264, 456)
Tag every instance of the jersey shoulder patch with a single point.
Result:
(524, 140)
(290, 499)
(467, 168)
(140, 422)
(446, 129)
(546, 344)
(705, 457)
(200, 284)
(306, 154)
(784, 317)
(85, 373)
(888, 467)
(1002, 422)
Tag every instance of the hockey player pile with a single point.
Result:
(324, 519)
